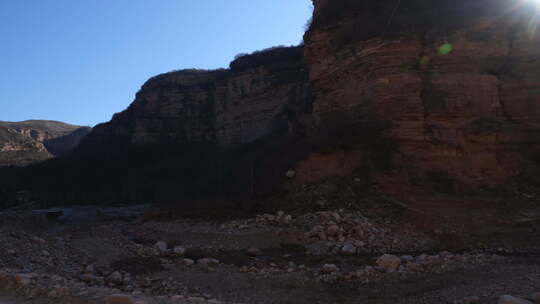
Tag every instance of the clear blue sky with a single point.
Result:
(80, 61)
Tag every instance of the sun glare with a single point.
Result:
(535, 17)
(536, 2)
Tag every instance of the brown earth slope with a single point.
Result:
(30, 141)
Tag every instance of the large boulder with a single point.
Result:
(389, 262)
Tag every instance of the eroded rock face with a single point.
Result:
(231, 107)
(11, 140)
(260, 100)
(19, 149)
(26, 142)
(170, 108)
(457, 80)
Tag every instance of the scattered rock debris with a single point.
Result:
(129, 262)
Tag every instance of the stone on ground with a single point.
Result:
(179, 250)
(348, 249)
(389, 262)
(254, 252)
(115, 277)
(330, 268)
(119, 299)
(207, 262)
(162, 246)
(507, 299)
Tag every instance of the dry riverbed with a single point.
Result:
(112, 255)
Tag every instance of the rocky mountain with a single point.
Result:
(441, 95)
(16, 148)
(30, 141)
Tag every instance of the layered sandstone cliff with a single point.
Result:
(458, 81)
(253, 99)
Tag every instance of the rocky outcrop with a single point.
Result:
(456, 80)
(40, 130)
(11, 140)
(26, 142)
(266, 93)
(259, 95)
(19, 149)
(172, 108)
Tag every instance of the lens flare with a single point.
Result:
(535, 18)
(446, 49)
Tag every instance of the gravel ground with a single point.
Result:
(333, 256)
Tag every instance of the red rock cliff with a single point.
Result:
(457, 79)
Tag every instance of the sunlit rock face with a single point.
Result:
(27, 142)
(458, 81)
(19, 149)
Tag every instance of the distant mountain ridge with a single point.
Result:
(30, 141)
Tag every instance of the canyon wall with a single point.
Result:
(457, 80)
(258, 96)
(439, 94)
